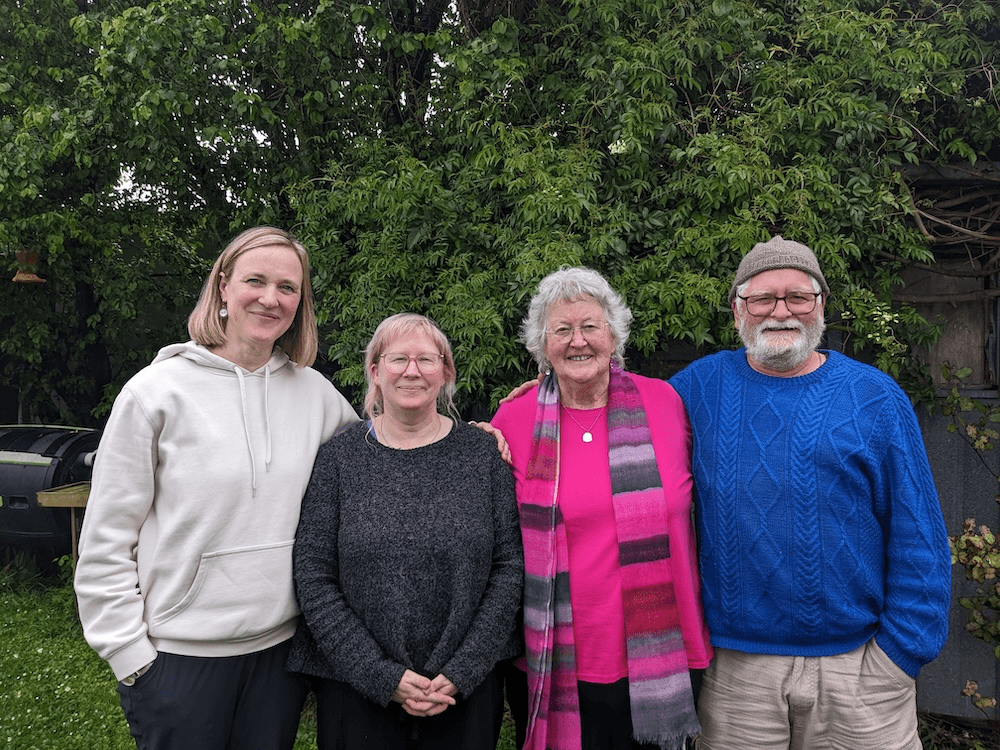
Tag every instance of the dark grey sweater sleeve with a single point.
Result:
(490, 629)
(333, 626)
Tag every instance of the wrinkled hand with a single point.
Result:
(439, 696)
(501, 440)
(523, 388)
(420, 696)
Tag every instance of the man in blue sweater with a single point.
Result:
(826, 574)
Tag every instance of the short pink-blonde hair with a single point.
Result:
(301, 341)
(397, 326)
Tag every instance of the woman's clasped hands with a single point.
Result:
(420, 696)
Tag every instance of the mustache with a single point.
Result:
(775, 325)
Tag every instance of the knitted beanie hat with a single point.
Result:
(777, 252)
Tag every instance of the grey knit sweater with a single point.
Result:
(407, 560)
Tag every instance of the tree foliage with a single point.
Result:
(138, 138)
(658, 141)
(444, 164)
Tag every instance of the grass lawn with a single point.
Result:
(57, 694)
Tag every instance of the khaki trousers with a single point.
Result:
(860, 700)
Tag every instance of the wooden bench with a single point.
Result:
(70, 496)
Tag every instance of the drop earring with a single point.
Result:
(223, 312)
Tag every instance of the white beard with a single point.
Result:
(779, 355)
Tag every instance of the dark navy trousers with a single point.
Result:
(243, 702)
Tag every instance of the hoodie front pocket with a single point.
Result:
(236, 595)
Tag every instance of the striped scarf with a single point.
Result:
(659, 685)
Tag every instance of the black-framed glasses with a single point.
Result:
(428, 364)
(565, 333)
(798, 303)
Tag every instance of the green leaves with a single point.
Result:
(977, 552)
(656, 142)
(430, 169)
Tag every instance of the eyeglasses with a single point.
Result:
(428, 364)
(798, 303)
(565, 333)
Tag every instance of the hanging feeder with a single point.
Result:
(27, 264)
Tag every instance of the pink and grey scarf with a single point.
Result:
(659, 686)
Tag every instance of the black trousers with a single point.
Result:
(244, 702)
(347, 720)
(605, 710)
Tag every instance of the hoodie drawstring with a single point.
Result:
(267, 416)
(246, 431)
(246, 425)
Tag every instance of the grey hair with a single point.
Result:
(571, 284)
(741, 303)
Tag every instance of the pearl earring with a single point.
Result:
(223, 312)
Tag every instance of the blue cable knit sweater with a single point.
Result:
(818, 520)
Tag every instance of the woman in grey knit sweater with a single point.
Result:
(408, 561)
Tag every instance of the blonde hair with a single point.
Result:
(301, 341)
(388, 331)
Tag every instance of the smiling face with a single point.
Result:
(581, 361)
(411, 390)
(780, 341)
(262, 295)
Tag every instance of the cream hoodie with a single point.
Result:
(187, 539)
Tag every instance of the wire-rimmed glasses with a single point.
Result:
(428, 364)
(563, 334)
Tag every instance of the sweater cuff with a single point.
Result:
(465, 677)
(908, 664)
(382, 684)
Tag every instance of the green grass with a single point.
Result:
(57, 694)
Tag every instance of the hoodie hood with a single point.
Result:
(198, 354)
(203, 357)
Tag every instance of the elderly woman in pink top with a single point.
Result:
(613, 624)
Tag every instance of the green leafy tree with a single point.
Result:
(444, 160)
(656, 141)
(135, 140)
(112, 263)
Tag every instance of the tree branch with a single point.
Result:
(962, 273)
(960, 230)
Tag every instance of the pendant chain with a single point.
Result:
(588, 435)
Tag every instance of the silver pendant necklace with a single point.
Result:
(588, 436)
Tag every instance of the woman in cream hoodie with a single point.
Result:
(184, 580)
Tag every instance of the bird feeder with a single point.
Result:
(27, 264)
